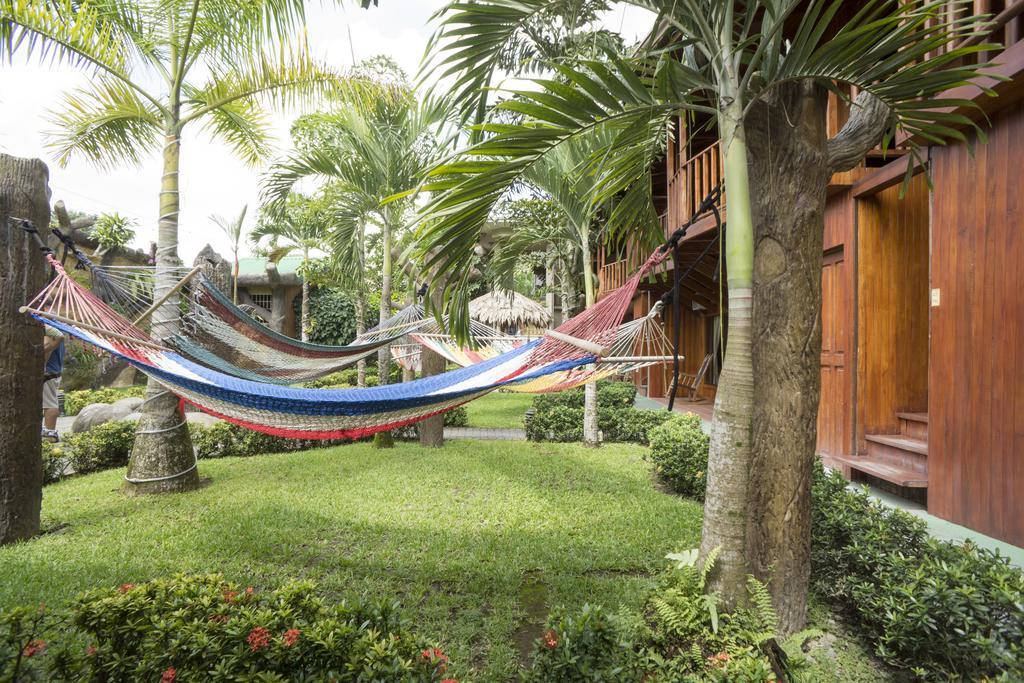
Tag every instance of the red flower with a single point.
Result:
(230, 596)
(33, 648)
(291, 636)
(435, 653)
(169, 675)
(250, 590)
(219, 618)
(719, 659)
(258, 638)
(550, 639)
(90, 651)
(125, 587)
(449, 680)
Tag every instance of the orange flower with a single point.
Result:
(435, 653)
(169, 675)
(258, 638)
(250, 590)
(550, 639)
(90, 651)
(291, 636)
(125, 587)
(449, 680)
(719, 660)
(33, 648)
(230, 596)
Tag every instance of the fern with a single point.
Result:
(761, 603)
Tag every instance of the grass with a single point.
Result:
(478, 540)
(499, 410)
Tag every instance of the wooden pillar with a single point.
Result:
(431, 363)
(24, 193)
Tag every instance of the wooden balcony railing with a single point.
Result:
(613, 274)
(1004, 26)
(690, 184)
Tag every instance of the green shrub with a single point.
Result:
(584, 647)
(218, 440)
(101, 448)
(457, 417)
(559, 423)
(333, 316)
(610, 395)
(192, 628)
(53, 462)
(681, 635)
(74, 401)
(679, 451)
(944, 610)
(629, 425)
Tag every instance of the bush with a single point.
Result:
(74, 401)
(204, 628)
(629, 425)
(227, 440)
(944, 609)
(457, 417)
(101, 448)
(610, 395)
(679, 451)
(53, 462)
(333, 316)
(681, 636)
(559, 423)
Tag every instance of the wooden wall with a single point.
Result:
(976, 402)
(892, 307)
(838, 282)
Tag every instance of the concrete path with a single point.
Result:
(484, 434)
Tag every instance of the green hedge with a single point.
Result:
(943, 610)
(200, 628)
(679, 451)
(559, 417)
(101, 448)
(74, 401)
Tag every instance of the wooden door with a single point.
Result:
(833, 427)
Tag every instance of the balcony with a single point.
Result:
(688, 187)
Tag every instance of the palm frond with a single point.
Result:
(245, 127)
(106, 124)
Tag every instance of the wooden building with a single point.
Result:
(922, 363)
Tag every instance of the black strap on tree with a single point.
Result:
(31, 230)
(708, 204)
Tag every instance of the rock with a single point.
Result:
(101, 413)
(132, 403)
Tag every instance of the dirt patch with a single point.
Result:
(533, 600)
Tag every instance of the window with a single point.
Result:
(264, 301)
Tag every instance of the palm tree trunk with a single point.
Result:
(305, 299)
(360, 329)
(163, 458)
(591, 434)
(234, 281)
(729, 460)
(23, 193)
(384, 439)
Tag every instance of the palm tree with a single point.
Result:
(724, 60)
(375, 152)
(561, 175)
(161, 66)
(294, 229)
(233, 229)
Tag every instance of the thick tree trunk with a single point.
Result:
(360, 329)
(384, 439)
(24, 193)
(726, 505)
(790, 164)
(163, 459)
(431, 429)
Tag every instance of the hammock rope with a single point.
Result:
(553, 364)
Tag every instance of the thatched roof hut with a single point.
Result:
(510, 312)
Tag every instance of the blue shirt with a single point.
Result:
(55, 363)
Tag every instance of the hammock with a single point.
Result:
(554, 361)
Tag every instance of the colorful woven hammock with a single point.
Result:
(557, 361)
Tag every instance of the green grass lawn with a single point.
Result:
(499, 409)
(478, 540)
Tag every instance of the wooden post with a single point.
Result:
(588, 346)
(24, 193)
(431, 363)
(171, 292)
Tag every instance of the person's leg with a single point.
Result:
(51, 408)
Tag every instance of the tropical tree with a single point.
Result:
(727, 61)
(112, 231)
(562, 176)
(233, 229)
(161, 66)
(374, 151)
(302, 226)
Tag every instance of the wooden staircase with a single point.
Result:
(900, 459)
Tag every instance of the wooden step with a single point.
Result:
(888, 471)
(898, 441)
(914, 425)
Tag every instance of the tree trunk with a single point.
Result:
(591, 434)
(790, 163)
(431, 363)
(234, 281)
(163, 458)
(305, 300)
(360, 329)
(24, 193)
(726, 503)
(384, 439)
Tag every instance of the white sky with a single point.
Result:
(212, 180)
